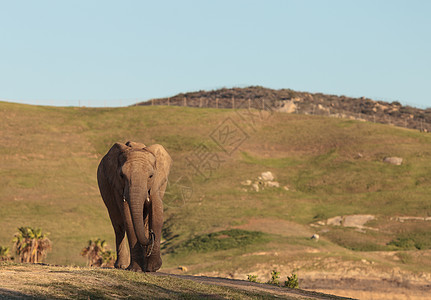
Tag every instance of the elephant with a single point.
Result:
(132, 180)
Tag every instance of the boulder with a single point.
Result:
(246, 182)
(272, 184)
(287, 107)
(393, 160)
(267, 176)
(255, 186)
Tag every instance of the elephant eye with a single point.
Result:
(151, 176)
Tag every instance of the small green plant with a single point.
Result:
(274, 278)
(4, 253)
(292, 281)
(252, 278)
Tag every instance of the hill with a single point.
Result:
(330, 173)
(287, 100)
(20, 281)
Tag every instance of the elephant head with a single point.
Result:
(132, 180)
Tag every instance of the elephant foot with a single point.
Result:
(154, 263)
(120, 266)
(135, 267)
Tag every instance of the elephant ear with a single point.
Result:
(163, 166)
(109, 166)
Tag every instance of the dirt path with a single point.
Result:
(254, 287)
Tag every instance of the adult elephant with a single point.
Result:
(132, 181)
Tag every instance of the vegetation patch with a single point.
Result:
(356, 241)
(413, 240)
(222, 240)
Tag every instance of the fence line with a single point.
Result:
(310, 109)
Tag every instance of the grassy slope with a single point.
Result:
(49, 156)
(53, 282)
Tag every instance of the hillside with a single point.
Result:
(20, 281)
(286, 100)
(326, 168)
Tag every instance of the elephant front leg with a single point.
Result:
(123, 257)
(136, 262)
(153, 257)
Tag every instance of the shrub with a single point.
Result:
(292, 281)
(222, 240)
(274, 278)
(4, 253)
(252, 278)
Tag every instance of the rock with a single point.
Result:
(287, 107)
(286, 187)
(255, 186)
(272, 184)
(315, 237)
(358, 155)
(246, 182)
(393, 160)
(267, 176)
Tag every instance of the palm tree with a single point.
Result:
(31, 245)
(4, 254)
(108, 258)
(97, 254)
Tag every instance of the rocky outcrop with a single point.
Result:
(265, 180)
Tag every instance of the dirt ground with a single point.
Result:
(256, 287)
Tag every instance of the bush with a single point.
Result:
(222, 240)
(4, 254)
(292, 281)
(252, 278)
(274, 278)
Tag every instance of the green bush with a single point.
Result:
(274, 278)
(5, 253)
(418, 240)
(292, 281)
(222, 240)
(252, 278)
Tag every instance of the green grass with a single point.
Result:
(49, 158)
(221, 240)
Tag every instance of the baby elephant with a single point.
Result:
(132, 181)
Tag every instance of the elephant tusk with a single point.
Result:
(148, 199)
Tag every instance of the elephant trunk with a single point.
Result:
(138, 194)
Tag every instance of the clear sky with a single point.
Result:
(112, 53)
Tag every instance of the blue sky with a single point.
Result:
(115, 53)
